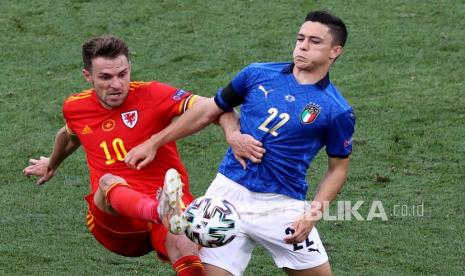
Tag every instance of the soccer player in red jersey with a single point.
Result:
(108, 121)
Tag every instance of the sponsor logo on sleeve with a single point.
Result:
(348, 142)
(178, 95)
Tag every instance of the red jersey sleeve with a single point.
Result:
(172, 100)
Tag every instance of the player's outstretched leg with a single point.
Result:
(117, 196)
(170, 202)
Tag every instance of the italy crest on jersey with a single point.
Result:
(129, 118)
(309, 114)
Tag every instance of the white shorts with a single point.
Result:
(266, 219)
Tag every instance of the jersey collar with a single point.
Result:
(322, 84)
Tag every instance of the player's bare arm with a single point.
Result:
(329, 186)
(46, 167)
(203, 112)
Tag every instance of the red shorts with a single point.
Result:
(128, 236)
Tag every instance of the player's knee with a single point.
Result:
(107, 180)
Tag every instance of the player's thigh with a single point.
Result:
(232, 257)
(122, 235)
(321, 270)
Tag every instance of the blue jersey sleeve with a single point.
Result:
(233, 95)
(339, 134)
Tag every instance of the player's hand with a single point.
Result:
(245, 147)
(40, 167)
(140, 156)
(302, 227)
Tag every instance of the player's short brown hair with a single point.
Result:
(103, 46)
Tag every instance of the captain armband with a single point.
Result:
(227, 98)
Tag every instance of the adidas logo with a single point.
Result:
(86, 130)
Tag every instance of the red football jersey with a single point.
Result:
(108, 135)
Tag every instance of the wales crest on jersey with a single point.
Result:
(130, 118)
(309, 114)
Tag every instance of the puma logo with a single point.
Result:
(261, 88)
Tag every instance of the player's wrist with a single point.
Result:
(231, 136)
(314, 211)
(155, 142)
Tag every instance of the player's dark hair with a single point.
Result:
(103, 46)
(337, 28)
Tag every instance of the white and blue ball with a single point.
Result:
(213, 222)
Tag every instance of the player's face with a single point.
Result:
(313, 48)
(110, 78)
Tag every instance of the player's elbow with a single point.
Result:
(208, 111)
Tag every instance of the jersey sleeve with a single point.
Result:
(234, 93)
(339, 134)
(173, 101)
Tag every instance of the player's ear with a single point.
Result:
(336, 51)
(87, 75)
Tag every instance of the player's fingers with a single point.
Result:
(254, 159)
(290, 239)
(30, 170)
(253, 140)
(257, 143)
(143, 163)
(293, 237)
(26, 171)
(41, 181)
(33, 161)
(296, 237)
(261, 150)
(130, 163)
(241, 161)
(130, 160)
(257, 154)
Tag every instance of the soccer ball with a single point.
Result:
(213, 222)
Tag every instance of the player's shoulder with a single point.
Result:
(79, 97)
(137, 86)
(77, 101)
(152, 86)
(337, 100)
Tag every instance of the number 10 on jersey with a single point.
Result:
(118, 149)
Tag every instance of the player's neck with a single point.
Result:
(309, 76)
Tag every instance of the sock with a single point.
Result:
(189, 266)
(128, 202)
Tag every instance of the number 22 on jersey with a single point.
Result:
(118, 149)
(273, 113)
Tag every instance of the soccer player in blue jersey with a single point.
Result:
(293, 110)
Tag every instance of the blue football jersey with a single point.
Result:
(293, 122)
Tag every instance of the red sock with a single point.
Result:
(131, 203)
(189, 266)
